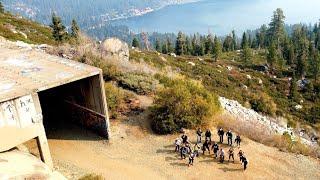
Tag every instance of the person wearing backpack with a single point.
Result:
(177, 143)
(238, 140)
(208, 135)
(244, 162)
(231, 154)
(229, 136)
(191, 158)
(199, 134)
(206, 146)
(215, 148)
(183, 152)
(184, 138)
(221, 134)
(221, 154)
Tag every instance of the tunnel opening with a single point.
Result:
(70, 110)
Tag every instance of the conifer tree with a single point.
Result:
(135, 43)
(75, 29)
(276, 29)
(1, 7)
(228, 43)
(157, 45)
(246, 55)
(234, 41)
(244, 41)
(293, 94)
(169, 46)
(217, 49)
(180, 43)
(58, 29)
(272, 56)
(208, 44)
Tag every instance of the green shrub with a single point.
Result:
(138, 82)
(263, 104)
(184, 104)
(116, 99)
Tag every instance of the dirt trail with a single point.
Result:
(133, 152)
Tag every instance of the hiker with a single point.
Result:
(221, 133)
(196, 149)
(183, 152)
(206, 146)
(177, 142)
(229, 136)
(199, 133)
(221, 154)
(215, 148)
(208, 135)
(241, 154)
(191, 158)
(244, 162)
(231, 154)
(188, 148)
(238, 140)
(184, 138)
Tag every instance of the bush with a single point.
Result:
(263, 104)
(92, 177)
(138, 82)
(183, 104)
(116, 99)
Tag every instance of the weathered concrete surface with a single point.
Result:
(21, 165)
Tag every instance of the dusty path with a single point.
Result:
(134, 152)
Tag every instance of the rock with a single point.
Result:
(298, 107)
(115, 48)
(229, 68)
(249, 77)
(200, 59)
(23, 45)
(191, 63)
(260, 81)
(173, 55)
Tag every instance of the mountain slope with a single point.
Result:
(17, 28)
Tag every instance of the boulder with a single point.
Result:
(116, 49)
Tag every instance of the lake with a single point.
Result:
(222, 16)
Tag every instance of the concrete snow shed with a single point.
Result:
(38, 90)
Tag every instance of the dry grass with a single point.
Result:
(92, 177)
(262, 135)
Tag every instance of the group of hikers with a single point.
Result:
(184, 146)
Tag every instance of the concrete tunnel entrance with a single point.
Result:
(79, 103)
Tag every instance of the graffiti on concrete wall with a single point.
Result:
(19, 112)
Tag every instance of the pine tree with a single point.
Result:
(302, 60)
(135, 43)
(276, 29)
(164, 48)
(58, 29)
(234, 41)
(217, 49)
(157, 45)
(246, 55)
(1, 7)
(180, 44)
(244, 41)
(169, 46)
(208, 44)
(228, 44)
(262, 36)
(294, 95)
(75, 29)
(272, 56)
(314, 63)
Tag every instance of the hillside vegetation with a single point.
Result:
(19, 29)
